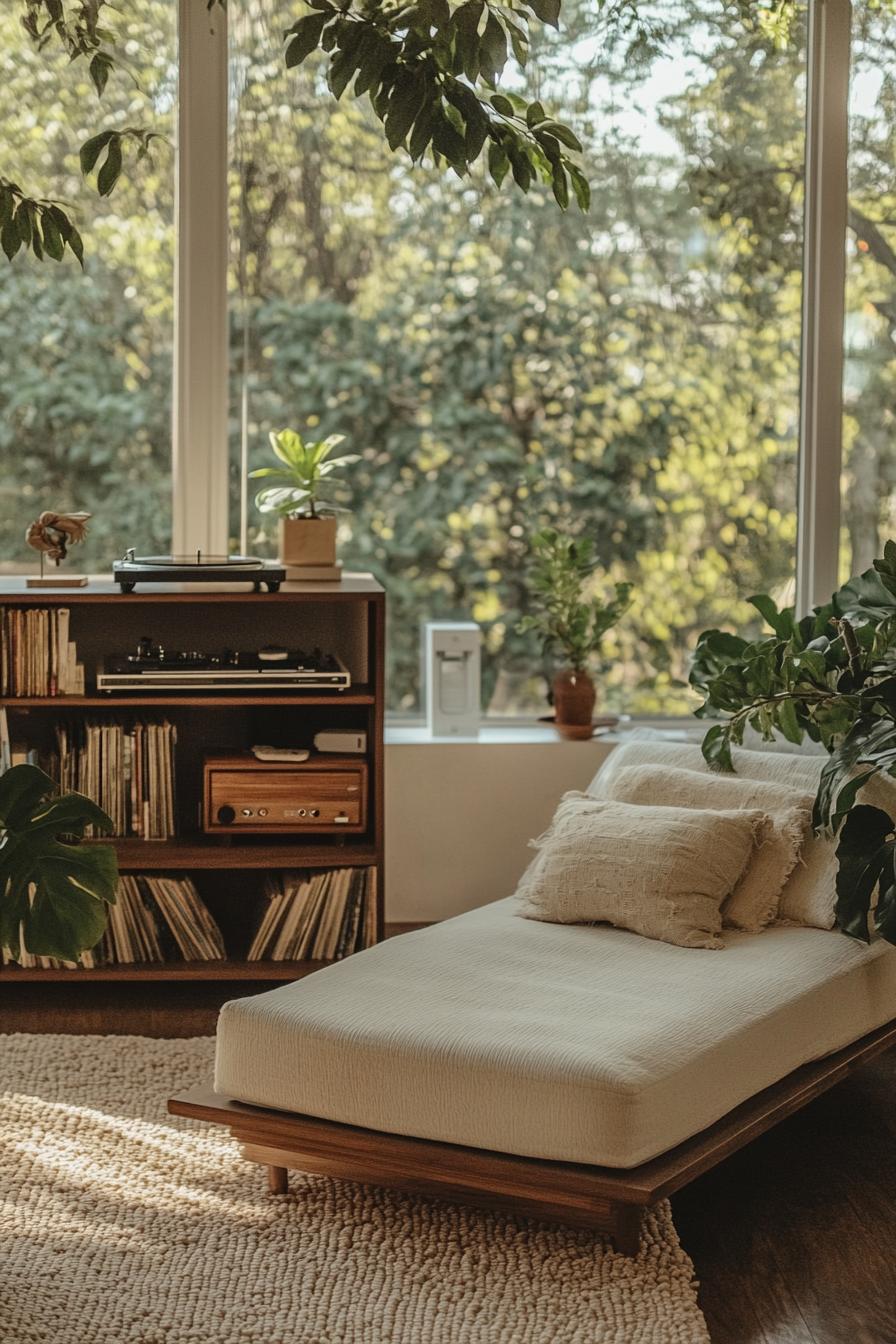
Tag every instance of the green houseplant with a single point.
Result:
(300, 492)
(54, 890)
(571, 618)
(831, 677)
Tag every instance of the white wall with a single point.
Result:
(459, 815)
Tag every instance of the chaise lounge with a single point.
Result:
(560, 1071)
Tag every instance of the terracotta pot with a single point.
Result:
(308, 541)
(574, 697)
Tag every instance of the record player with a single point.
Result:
(198, 568)
(152, 667)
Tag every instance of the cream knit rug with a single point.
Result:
(122, 1225)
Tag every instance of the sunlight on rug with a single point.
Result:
(123, 1225)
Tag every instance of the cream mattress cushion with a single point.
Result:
(575, 1043)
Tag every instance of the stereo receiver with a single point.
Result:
(243, 794)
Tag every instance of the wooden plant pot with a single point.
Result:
(308, 541)
(574, 697)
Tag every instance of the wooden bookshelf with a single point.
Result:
(347, 618)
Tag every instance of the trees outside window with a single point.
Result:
(86, 359)
(633, 372)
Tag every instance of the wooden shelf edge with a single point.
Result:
(176, 855)
(173, 970)
(355, 696)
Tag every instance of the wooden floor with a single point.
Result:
(794, 1238)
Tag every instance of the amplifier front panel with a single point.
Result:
(288, 800)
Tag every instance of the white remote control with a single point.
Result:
(280, 753)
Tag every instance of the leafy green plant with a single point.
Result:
(430, 69)
(306, 475)
(831, 677)
(54, 890)
(571, 617)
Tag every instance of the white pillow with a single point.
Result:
(810, 892)
(660, 871)
(754, 902)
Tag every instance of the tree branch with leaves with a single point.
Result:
(430, 68)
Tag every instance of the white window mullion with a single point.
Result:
(201, 355)
(824, 279)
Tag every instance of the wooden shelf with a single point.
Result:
(361, 694)
(348, 617)
(200, 852)
(172, 970)
(102, 588)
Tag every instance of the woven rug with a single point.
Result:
(120, 1224)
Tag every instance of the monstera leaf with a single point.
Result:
(53, 887)
(866, 878)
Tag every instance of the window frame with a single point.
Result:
(200, 465)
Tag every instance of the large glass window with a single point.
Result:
(869, 374)
(86, 359)
(632, 373)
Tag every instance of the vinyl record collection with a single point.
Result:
(37, 657)
(154, 919)
(320, 916)
(128, 771)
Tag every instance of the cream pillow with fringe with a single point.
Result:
(754, 902)
(659, 871)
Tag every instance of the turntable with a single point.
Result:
(198, 568)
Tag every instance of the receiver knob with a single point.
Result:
(226, 815)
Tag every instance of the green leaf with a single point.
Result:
(716, 748)
(546, 10)
(534, 114)
(92, 148)
(560, 186)
(99, 68)
(54, 244)
(9, 239)
(580, 187)
(304, 37)
(111, 169)
(864, 853)
(404, 106)
(72, 883)
(493, 48)
(502, 104)
(563, 134)
(498, 163)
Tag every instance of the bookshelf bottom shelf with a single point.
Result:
(171, 970)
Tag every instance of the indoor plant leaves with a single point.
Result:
(52, 886)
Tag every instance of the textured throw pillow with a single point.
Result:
(660, 871)
(810, 893)
(754, 902)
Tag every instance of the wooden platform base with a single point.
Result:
(606, 1199)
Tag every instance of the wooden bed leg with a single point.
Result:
(278, 1180)
(627, 1228)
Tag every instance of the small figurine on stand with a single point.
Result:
(51, 535)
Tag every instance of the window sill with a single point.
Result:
(505, 735)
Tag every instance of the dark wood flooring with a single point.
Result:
(794, 1238)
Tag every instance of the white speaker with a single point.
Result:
(451, 658)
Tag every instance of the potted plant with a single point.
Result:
(572, 619)
(54, 890)
(831, 677)
(297, 491)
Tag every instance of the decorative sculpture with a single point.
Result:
(51, 535)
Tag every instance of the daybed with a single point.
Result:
(561, 1071)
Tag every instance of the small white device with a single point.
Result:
(294, 754)
(451, 657)
(343, 741)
